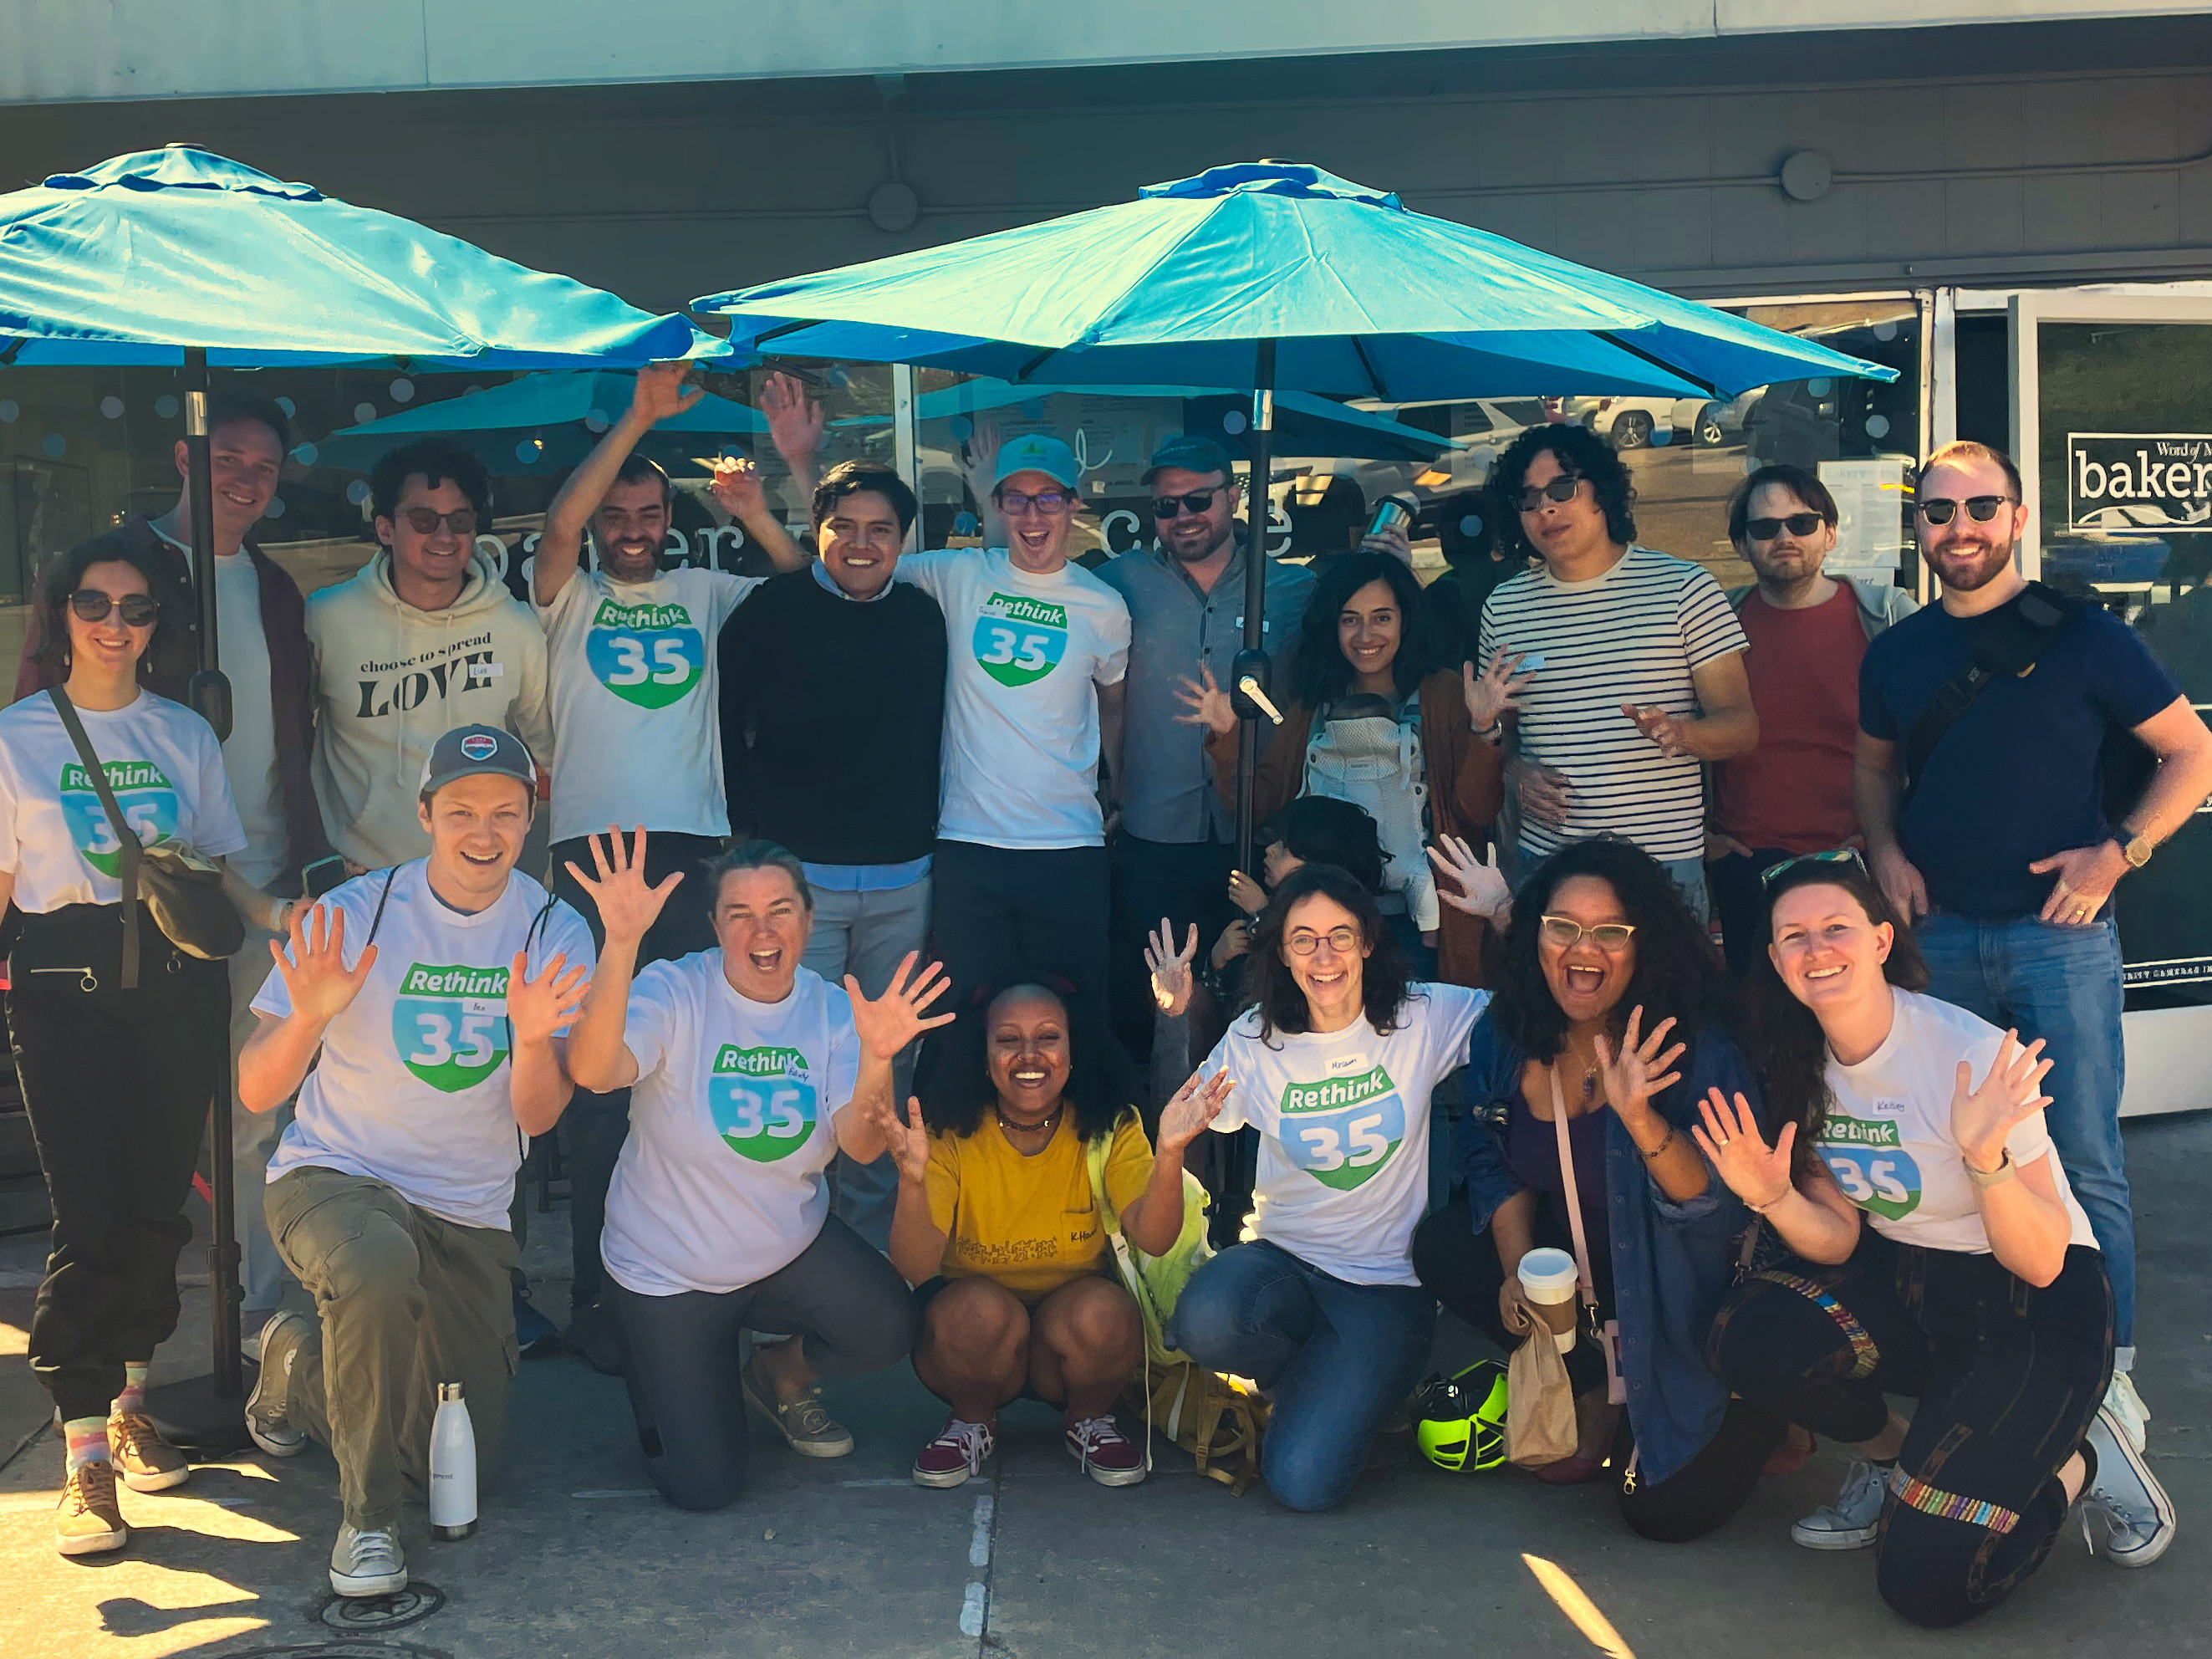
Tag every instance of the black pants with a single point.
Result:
(996, 911)
(2007, 1376)
(117, 1085)
(843, 1300)
(1186, 883)
(1739, 901)
(595, 1125)
(1460, 1267)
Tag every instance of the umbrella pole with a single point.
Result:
(1255, 587)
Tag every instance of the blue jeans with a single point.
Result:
(2061, 984)
(1340, 1357)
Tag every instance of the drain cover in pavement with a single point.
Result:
(367, 1615)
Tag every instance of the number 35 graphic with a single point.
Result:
(1325, 1152)
(1027, 650)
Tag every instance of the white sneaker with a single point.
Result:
(265, 1420)
(1849, 1522)
(368, 1563)
(2125, 1497)
(2126, 1405)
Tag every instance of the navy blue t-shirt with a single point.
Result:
(2018, 777)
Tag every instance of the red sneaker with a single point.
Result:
(1105, 1453)
(956, 1453)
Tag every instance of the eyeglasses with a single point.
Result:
(1608, 936)
(1050, 502)
(1561, 488)
(423, 522)
(1797, 524)
(138, 610)
(1303, 943)
(1938, 509)
(1167, 506)
(1774, 873)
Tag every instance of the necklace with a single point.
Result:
(1008, 1127)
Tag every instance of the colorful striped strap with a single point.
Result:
(1864, 1355)
(1934, 1500)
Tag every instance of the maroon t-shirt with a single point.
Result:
(1794, 791)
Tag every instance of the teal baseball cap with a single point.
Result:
(1037, 451)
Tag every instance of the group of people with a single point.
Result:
(874, 884)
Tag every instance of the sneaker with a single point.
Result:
(534, 1332)
(2122, 1493)
(88, 1522)
(144, 1461)
(956, 1453)
(1849, 1522)
(281, 1339)
(2128, 1409)
(806, 1428)
(1105, 1453)
(368, 1563)
(595, 1336)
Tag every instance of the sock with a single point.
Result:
(133, 1397)
(88, 1441)
(2124, 1359)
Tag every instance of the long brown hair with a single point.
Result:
(63, 578)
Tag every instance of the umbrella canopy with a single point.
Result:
(129, 263)
(1357, 295)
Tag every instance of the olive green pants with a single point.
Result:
(408, 1300)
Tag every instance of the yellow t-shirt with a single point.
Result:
(1029, 1224)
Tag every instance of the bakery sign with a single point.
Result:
(2122, 481)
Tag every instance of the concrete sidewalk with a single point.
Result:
(575, 1557)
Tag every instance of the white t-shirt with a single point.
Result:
(1344, 1129)
(412, 1087)
(1888, 1138)
(249, 753)
(719, 1183)
(1021, 707)
(162, 762)
(636, 701)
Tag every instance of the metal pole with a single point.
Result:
(1255, 579)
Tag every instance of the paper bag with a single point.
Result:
(1539, 1404)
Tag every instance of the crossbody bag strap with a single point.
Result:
(1583, 1282)
(2004, 646)
(128, 851)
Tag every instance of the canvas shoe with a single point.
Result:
(1106, 1454)
(2123, 1498)
(265, 1407)
(1849, 1522)
(143, 1461)
(806, 1428)
(368, 1562)
(959, 1451)
(87, 1521)
(2127, 1408)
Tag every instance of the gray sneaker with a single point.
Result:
(265, 1407)
(1849, 1522)
(2124, 1498)
(368, 1563)
(2127, 1410)
(806, 1428)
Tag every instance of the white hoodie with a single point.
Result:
(390, 680)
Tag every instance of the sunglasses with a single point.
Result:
(1938, 509)
(1303, 943)
(1561, 488)
(1774, 873)
(1167, 506)
(138, 610)
(1797, 524)
(1050, 502)
(423, 522)
(1566, 932)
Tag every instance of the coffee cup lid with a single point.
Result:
(1546, 1268)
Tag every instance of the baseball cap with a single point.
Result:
(469, 751)
(1188, 453)
(1037, 451)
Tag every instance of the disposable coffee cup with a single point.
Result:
(1548, 1280)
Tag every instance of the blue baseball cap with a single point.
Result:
(1188, 453)
(1037, 451)
(469, 752)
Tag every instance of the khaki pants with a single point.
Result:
(408, 1300)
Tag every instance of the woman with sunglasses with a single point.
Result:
(116, 1078)
(1935, 1250)
(1611, 1009)
(1334, 1066)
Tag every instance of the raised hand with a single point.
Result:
(1246, 894)
(910, 1139)
(982, 456)
(1207, 703)
(1481, 887)
(1192, 1110)
(315, 974)
(738, 485)
(660, 393)
(794, 421)
(1171, 967)
(1670, 732)
(537, 1008)
(1396, 543)
(1641, 1069)
(1983, 1115)
(1729, 1139)
(894, 1019)
(1492, 694)
(627, 908)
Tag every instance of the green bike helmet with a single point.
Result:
(1460, 1421)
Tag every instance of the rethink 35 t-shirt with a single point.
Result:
(413, 1085)
(1027, 655)
(719, 1183)
(1889, 1141)
(636, 706)
(1343, 1119)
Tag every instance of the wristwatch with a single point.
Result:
(2005, 1171)
(2135, 849)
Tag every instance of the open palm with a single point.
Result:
(1171, 967)
(1642, 1068)
(894, 1019)
(1729, 1138)
(1192, 1110)
(1984, 1116)
(320, 985)
(627, 908)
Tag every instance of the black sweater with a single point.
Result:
(833, 712)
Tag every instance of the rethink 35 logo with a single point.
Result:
(763, 1100)
(1341, 1131)
(144, 793)
(1870, 1164)
(1019, 639)
(648, 654)
(449, 1024)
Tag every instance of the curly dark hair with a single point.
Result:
(438, 460)
(1322, 673)
(1386, 981)
(64, 575)
(1321, 829)
(955, 1089)
(1782, 1038)
(1579, 450)
(1677, 974)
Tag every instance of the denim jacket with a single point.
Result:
(1671, 1262)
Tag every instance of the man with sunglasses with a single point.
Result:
(1807, 631)
(1175, 844)
(1980, 786)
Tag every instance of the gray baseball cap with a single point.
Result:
(469, 751)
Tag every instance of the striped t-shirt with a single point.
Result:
(1631, 635)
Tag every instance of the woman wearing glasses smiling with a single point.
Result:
(116, 1078)
(1610, 1010)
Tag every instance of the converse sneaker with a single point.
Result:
(368, 1563)
(1849, 1522)
(2128, 1409)
(806, 1428)
(956, 1453)
(265, 1407)
(88, 1521)
(2123, 1498)
(1106, 1454)
(143, 1461)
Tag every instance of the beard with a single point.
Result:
(1966, 567)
